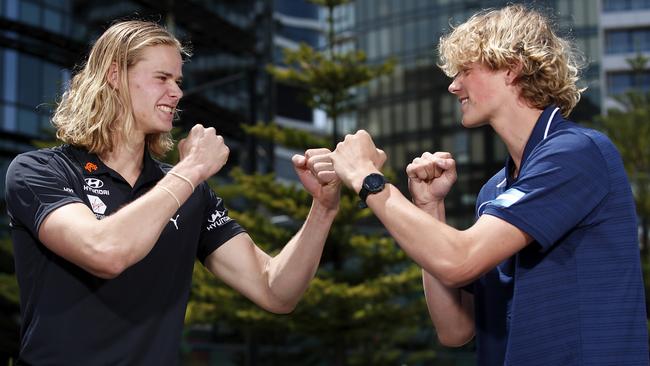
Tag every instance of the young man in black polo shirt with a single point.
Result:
(105, 237)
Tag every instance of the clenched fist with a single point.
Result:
(204, 151)
(431, 176)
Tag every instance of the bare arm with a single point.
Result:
(451, 309)
(274, 283)
(107, 247)
(431, 177)
(454, 257)
(277, 283)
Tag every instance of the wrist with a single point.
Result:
(434, 208)
(191, 174)
(431, 205)
(324, 211)
(356, 183)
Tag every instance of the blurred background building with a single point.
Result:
(226, 85)
(294, 22)
(625, 33)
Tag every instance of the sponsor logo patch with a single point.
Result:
(90, 167)
(175, 221)
(508, 198)
(94, 182)
(101, 192)
(218, 218)
(98, 206)
(68, 189)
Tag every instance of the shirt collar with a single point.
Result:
(91, 164)
(543, 127)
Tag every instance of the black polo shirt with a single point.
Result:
(71, 317)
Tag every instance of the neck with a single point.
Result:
(514, 128)
(126, 159)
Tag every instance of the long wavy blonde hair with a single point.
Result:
(94, 115)
(513, 36)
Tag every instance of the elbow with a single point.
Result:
(282, 310)
(455, 267)
(457, 275)
(108, 269)
(106, 261)
(457, 338)
(107, 272)
(451, 281)
(281, 307)
(276, 304)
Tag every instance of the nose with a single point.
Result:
(176, 91)
(454, 87)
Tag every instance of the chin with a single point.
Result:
(472, 123)
(468, 124)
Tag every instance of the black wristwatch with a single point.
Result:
(373, 183)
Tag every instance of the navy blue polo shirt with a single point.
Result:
(575, 295)
(69, 316)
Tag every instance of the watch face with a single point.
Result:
(374, 182)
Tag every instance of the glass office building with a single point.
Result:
(625, 34)
(295, 22)
(41, 41)
(35, 56)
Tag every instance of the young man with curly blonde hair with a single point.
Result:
(550, 272)
(105, 237)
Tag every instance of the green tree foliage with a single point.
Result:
(629, 129)
(329, 79)
(329, 82)
(368, 309)
(365, 306)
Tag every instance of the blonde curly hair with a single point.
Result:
(513, 36)
(94, 115)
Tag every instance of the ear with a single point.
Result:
(513, 73)
(112, 76)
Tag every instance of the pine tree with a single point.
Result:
(365, 306)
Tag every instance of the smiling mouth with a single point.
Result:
(166, 108)
(463, 100)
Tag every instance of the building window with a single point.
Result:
(627, 40)
(618, 5)
(50, 15)
(620, 82)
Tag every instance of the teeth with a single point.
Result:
(166, 109)
(463, 100)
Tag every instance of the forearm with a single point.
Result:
(127, 236)
(438, 248)
(451, 311)
(290, 272)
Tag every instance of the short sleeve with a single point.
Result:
(216, 227)
(36, 186)
(562, 182)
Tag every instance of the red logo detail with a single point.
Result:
(90, 167)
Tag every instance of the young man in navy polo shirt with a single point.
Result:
(105, 237)
(550, 272)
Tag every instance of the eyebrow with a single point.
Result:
(169, 75)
